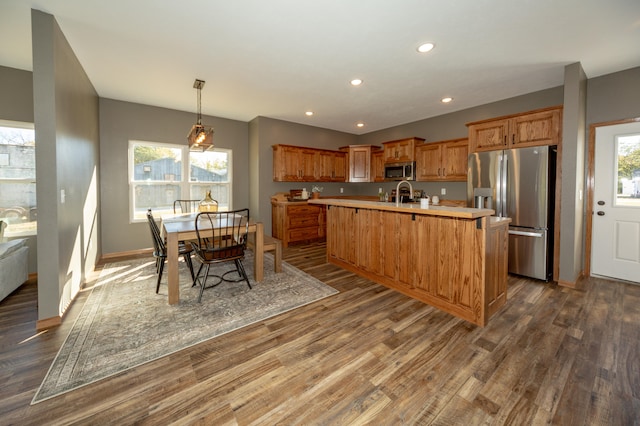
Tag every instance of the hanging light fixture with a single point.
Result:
(200, 137)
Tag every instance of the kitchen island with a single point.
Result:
(453, 258)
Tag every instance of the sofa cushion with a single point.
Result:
(9, 247)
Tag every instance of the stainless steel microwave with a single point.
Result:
(400, 171)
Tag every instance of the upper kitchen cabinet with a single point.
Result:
(301, 164)
(402, 150)
(442, 161)
(333, 166)
(377, 166)
(293, 164)
(534, 128)
(360, 162)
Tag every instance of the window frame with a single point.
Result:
(185, 183)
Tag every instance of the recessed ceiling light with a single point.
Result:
(356, 82)
(424, 48)
(446, 100)
(308, 113)
(360, 124)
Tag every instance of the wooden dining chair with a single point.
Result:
(185, 249)
(226, 243)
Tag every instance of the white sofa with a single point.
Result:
(14, 268)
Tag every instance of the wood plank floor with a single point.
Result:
(367, 355)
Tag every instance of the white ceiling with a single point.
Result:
(279, 58)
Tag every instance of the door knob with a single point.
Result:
(600, 213)
(601, 203)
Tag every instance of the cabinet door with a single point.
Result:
(369, 257)
(455, 160)
(326, 162)
(331, 166)
(359, 164)
(540, 128)
(288, 164)
(428, 162)
(307, 163)
(405, 150)
(343, 234)
(339, 167)
(391, 152)
(377, 166)
(488, 136)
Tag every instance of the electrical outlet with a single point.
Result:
(443, 191)
(341, 190)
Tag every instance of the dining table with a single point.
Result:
(181, 227)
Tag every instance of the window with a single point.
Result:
(628, 168)
(18, 178)
(158, 176)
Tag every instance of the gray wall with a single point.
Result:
(16, 104)
(124, 121)
(16, 87)
(66, 122)
(613, 96)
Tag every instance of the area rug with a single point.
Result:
(124, 323)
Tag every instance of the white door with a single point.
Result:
(615, 244)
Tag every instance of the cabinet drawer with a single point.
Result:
(303, 210)
(303, 221)
(301, 234)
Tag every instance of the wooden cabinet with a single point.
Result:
(293, 222)
(457, 265)
(293, 164)
(332, 166)
(401, 150)
(377, 166)
(535, 128)
(360, 162)
(301, 164)
(442, 161)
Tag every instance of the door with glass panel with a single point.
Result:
(615, 240)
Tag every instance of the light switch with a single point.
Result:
(62, 196)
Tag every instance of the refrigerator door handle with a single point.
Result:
(527, 234)
(502, 188)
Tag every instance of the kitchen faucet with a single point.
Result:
(398, 197)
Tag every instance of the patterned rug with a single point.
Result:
(124, 323)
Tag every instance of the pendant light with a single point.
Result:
(200, 137)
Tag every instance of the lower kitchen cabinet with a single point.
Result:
(297, 221)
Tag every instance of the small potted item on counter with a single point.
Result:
(315, 192)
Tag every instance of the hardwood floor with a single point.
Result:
(367, 355)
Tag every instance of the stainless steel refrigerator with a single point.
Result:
(520, 184)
